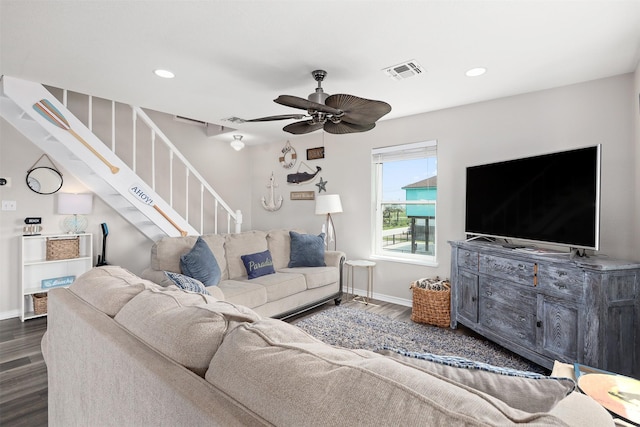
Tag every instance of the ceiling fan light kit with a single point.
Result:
(237, 143)
(337, 114)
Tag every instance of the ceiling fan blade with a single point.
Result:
(344, 127)
(358, 110)
(279, 117)
(304, 104)
(299, 128)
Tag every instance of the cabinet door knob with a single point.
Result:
(473, 299)
(539, 323)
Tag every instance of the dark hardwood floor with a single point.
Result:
(23, 373)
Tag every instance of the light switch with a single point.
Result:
(8, 205)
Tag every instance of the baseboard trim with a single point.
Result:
(386, 298)
(9, 314)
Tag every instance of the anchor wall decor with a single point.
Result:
(272, 205)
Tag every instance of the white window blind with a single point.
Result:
(414, 150)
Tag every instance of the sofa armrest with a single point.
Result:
(334, 258)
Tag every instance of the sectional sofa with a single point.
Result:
(121, 350)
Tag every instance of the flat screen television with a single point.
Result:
(551, 198)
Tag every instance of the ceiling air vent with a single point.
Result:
(404, 70)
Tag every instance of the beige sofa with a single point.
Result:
(121, 350)
(280, 295)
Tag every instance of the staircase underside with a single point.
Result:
(148, 212)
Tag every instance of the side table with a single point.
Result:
(359, 263)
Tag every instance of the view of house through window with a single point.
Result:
(405, 186)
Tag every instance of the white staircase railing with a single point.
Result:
(206, 204)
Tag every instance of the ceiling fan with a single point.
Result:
(337, 114)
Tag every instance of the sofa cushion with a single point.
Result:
(187, 283)
(109, 288)
(200, 264)
(186, 327)
(258, 264)
(249, 294)
(238, 244)
(316, 277)
(279, 243)
(166, 252)
(307, 250)
(281, 285)
(289, 378)
(536, 393)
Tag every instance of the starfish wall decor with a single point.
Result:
(322, 185)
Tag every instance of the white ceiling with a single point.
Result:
(232, 58)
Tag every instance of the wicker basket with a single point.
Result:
(63, 248)
(431, 306)
(40, 303)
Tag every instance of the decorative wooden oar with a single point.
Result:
(46, 109)
(140, 193)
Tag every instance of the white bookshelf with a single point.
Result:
(34, 267)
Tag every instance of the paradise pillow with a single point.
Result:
(527, 391)
(187, 283)
(258, 264)
(199, 263)
(307, 250)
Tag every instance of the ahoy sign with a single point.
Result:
(144, 197)
(137, 191)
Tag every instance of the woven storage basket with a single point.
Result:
(40, 303)
(63, 248)
(431, 306)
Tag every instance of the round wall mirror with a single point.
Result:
(44, 180)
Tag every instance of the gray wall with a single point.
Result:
(597, 112)
(635, 108)
(603, 111)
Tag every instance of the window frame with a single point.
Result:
(423, 149)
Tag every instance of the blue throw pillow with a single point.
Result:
(307, 250)
(200, 264)
(187, 283)
(258, 264)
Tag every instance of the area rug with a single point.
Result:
(354, 328)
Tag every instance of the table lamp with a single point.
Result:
(328, 204)
(75, 205)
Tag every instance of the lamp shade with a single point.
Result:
(328, 204)
(75, 204)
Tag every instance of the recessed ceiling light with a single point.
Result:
(165, 74)
(475, 72)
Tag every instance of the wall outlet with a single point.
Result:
(9, 205)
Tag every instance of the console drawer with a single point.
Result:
(512, 270)
(561, 281)
(468, 259)
(508, 293)
(508, 321)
